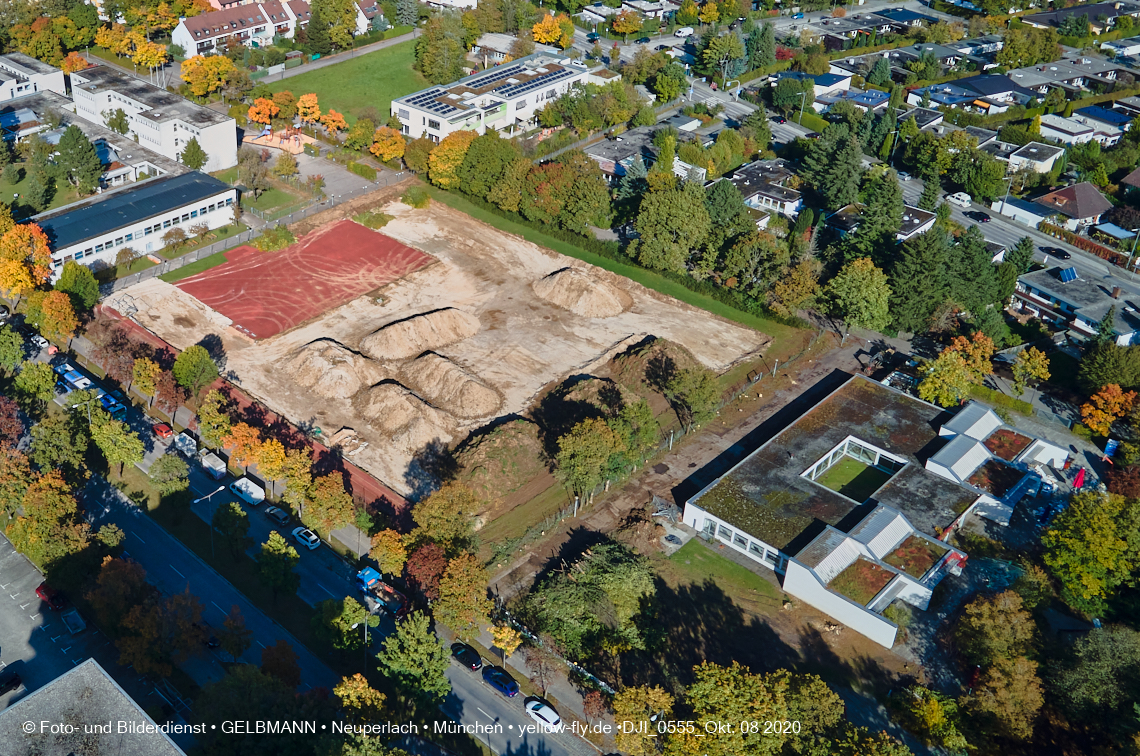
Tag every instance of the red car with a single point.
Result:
(162, 430)
(51, 596)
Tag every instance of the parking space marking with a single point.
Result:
(220, 609)
(136, 535)
(261, 644)
(65, 650)
(326, 590)
(177, 572)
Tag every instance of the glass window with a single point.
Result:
(193, 213)
(119, 241)
(770, 557)
(79, 255)
(710, 526)
(739, 540)
(149, 230)
(98, 247)
(520, 104)
(229, 201)
(755, 548)
(185, 217)
(211, 208)
(725, 533)
(130, 237)
(433, 125)
(166, 224)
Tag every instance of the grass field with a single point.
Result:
(369, 80)
(854, 479)
(195, 268)
(695, 563)
(64, 192)
(118, 271)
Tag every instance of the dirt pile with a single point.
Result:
(650, 364)
(450, 387)
(501, 461)
(402, 416)
(331, 370)
(582, 294)
(413, 336)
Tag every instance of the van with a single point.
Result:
(961, 199)
(684, 31)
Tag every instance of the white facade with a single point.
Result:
(1037, 156)
(504, 97)
(1123, 48)
(1078, 130)
(159, 120)
(21, 75)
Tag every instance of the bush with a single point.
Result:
(312, 150)
(372, 219)
(362, 170)
(998, 399)
(273, 239)
(416, 196)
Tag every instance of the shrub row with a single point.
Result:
(998, 399)
(362, 170)
(1081, 242)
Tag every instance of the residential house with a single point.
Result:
(22, 75)
(764, 186)
(647, 9)
(1128, 106)
(1078, 130)
(1095, 12)
(979, 47)
(1132, 180)
(984, 136)
(923, 117)
(902, 19)
(1061, 297)
(507, 97)
(999, 150)
(1082, 204)
(1035, 156)
(1074, 75)
(852, 549)
(615, 155)
(868, 101)
(915, 221)
(493, 48)
(161, 121)
(842, 30)
(452, 4)
(1108, 119)
(1028, 213)
(985, 93)
(253, 25)
(1122, 48)
(836, 80)
(92, 231)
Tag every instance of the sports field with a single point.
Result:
(265, 293)
(369, 80)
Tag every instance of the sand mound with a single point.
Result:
(582, 294)
(330, 370)
(419, 334)
(450, 387)
(401, 415)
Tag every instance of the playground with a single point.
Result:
(265, 293)
(289, 140)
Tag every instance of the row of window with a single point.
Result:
(738, 540)
(168, 223)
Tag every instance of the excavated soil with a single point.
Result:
(450, 387)
(332, 371)
(402, 416)
(420, 333)
(582, 294)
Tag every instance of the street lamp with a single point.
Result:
(803, 102)
(1132, 270)
(204, 498)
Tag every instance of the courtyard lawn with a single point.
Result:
(370, 80)
(118, 271)
(861, 581)
(695, 563)
(854, 479)
(64, 194)
(273, 199)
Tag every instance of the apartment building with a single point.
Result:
(22, 75)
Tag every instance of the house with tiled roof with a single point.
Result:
(257, 24)
(1081, 204)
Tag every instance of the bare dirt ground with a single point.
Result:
(371, 365)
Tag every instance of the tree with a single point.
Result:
(931, 189)
(415, 658)
(360, 135)
(593, 706)
(213, 422)
(1092, 548)
(330, 505)
(506, 639)
(275, 565)
(262, 111)
(193, 156)
(59, 442)
(119, 586)
(119, 444)
(946, 380)
(174, 238)
(761, 45)
(860, 294)
(280, 661)
(234, 637)
(724, 53)
(709, 14)
(463, 606)
(170, 474)
(205, 74)
(53, 314)
(117, 121)
(333, 122)
(144, 375)
(78, 282)
(1030, 368)
(447, 516)
(317, 31)
(11, 427)
(232, 524)
(634, 705)
(25, 259)
(11, 349)
(1105, 407)
(977, 351)
(918, 281)
(447, 157)
(361, 703)
(78, 161)
(285, 165)
(425, 567)
(995, 628)
(195, 369)
(834, 165)
(298, 476)
(407, 12)
(671, 225)
(15, 477)
(165, 633)
(584, 454)
(627, 22)
(1099, 682)
(35, 385)
(389, 552)
(1011, 693)
(337, 620)
(387, 144)
(543, 665)
(168, 395)
(694, 394)
(1021, 255)
(308, 109)
(244, 442)
(440, 52)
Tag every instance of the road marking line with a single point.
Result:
(65, 650)
(326, 590)
(25, 606)
(488, 716)
(261, 644)
(53, 640)
(136, 535)
(220, 609)
(176, 572)
(13, 596)
(33, 616)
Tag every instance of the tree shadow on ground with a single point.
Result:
(431, 466)
(556, 414)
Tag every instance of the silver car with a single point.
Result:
(544, 714)
(306, 537)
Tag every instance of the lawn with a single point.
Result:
(861, 581)
(272, 199)
(195, 268)
(64, 194)
(118, 271)
(780, 333)
(854, 479)
(695, 563)
(218, 234)
(370, 80)
(915, 556)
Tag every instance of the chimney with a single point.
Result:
(1116, 292)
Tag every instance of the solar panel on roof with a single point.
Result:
(1069, 274)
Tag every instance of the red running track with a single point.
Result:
(265, 293)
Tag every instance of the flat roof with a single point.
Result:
(1038, 151)
(766, 496)
(163, 105)
(85, 694)
(1090, 300)
(25, 65)
(76, 223)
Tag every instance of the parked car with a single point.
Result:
(40, 342)
(543, 713)
(248, 491)
(162, 430)
(1056, 252)
(779, 119)
(978, 216)
(659, 48)
(904, 176)
(641, 41)
(593, 37)
(51, 596)
(280, 516)
(500, 680)
(467, 656)
(684, 31)
(961, 199)
(306, 537)
(798, 17)
(9, 683)
(5, 313)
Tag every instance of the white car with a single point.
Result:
(248, 491)
(684, 31)
(306, 537)
(544, 714)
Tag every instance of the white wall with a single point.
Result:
(802, 583)
(756, 550)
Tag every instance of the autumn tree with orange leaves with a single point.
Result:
(445, 159)
(262, 111)
(205, 75)
(977, 351)
(25, 259)
(387, 144)
(74, 62)
(334, 121)
(53, 313)
(1105, 406)
(308, 109)
(245, 444)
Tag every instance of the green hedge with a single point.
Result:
(311, 150)
(360, 169)
(811, 121)
(998, 399)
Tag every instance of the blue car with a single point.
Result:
(498, 679)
